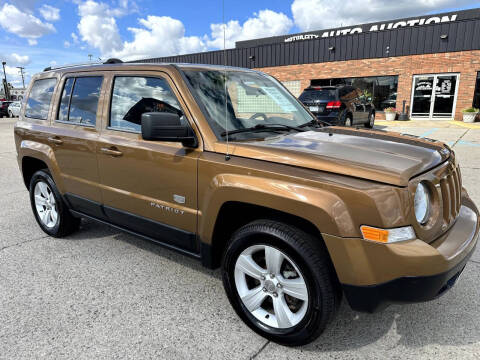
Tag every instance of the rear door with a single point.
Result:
(73, 138)
(149, 187)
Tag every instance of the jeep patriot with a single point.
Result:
(225, 165)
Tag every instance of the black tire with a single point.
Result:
(310, 256)
(371, 121)
(66, 223)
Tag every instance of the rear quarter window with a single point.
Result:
(39, 98)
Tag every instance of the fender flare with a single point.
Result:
(44, 153)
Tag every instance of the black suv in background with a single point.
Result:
(4, 108)
(339, 105)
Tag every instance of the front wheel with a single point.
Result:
(280, 282)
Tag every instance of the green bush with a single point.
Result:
(470, 110)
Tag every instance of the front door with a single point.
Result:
(434, 96)
(149, 187)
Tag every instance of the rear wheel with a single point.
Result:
(48, 206)
(280, 282)
(371, 121)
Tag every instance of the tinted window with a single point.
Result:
(133, 96)
(312, 95)
(39, 99)
(65, 102)
(80, 104)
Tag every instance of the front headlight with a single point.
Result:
(422, 203)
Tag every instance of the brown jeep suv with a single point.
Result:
(225, 165)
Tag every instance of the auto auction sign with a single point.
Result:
(374, 27)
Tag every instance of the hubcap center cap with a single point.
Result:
(270, 286)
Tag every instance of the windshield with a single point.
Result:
(251, 99)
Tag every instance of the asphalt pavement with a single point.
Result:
(102, 293)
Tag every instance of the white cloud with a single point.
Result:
(323, 14)
(163, 35)
(264, 24)
(66, 44)
(23, 24)
(160, 36)
(98, 27)
(50, 13)
(74, 38)
(15, 60)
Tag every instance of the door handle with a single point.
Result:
(56, 140)
(111, 151)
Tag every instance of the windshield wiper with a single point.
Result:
(262, 127)
(315, 122)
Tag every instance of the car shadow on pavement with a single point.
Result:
(449, 320)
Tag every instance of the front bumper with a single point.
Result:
(376, 275)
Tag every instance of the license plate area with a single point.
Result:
(316, 108)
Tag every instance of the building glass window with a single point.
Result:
(476, 95)
(381, 90)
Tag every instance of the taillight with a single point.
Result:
(334, 105)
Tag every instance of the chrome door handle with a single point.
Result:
(56, 140)
(111, 152)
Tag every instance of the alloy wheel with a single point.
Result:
(45, 204)
(271, 286)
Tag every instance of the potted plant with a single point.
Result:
(469, 114)
(390, 113)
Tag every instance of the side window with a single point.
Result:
(39, 99)
(133, 96)
(65, 102)
(79, 101)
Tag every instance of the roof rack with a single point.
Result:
(113, 61)
(109, 61)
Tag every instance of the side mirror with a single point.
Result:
(164, 126)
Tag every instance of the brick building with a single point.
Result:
(431, 62)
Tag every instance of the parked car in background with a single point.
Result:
(4, 108)
(14, 109)
(339, 105)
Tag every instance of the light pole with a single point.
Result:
(5, 84)
(21, 68)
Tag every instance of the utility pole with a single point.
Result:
(5, 83)
(21, 68)
(90, 57)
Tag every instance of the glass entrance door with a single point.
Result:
(433, 96)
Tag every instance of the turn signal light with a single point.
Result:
(334, 105)
(387, 236)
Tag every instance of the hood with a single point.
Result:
(377, 155)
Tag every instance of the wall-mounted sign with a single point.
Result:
(375, 27)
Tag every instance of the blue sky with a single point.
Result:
(39, 33)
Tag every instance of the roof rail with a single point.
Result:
(113, 61)
(109, 61)
(72, 65)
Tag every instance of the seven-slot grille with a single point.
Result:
(451, 190)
